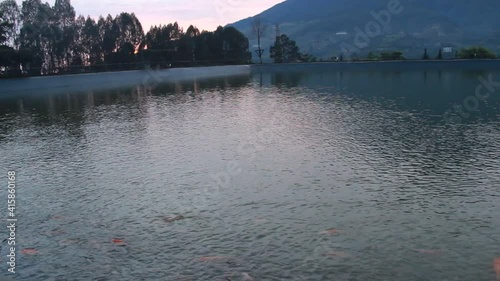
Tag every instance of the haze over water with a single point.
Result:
(259, 166)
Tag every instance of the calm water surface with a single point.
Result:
(259, 166)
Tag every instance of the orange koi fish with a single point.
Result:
(426, 251)
(29, 251)
(329, 232)
(496, 267)
(119, 242)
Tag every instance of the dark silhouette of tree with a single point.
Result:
(235, 46)
(129, 30)
(425, 56)
(63, 31)
(52, 39)
(90, 41)
(6, 55)
(162, 44)
(187, 45)
(259, 29)
(36, 32)
(285, 50)
(440, 55)
(169, 43)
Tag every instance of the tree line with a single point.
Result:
(44, 39)
(463, 53)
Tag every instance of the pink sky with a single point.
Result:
(205, 14)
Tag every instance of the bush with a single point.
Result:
(476, 53)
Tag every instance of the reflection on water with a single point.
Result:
(324, 175)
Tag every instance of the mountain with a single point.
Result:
(327, 28)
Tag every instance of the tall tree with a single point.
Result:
(80, 50)
(109, 31)
(65, 32)
(162, 43)
(187, 44)
(10, 16)
(440, 54)
(4, 26)
(285, 50)
(235, 46)
(35, 33)
(259, 28)
(425, 56)
(92, 42)
(129, 30)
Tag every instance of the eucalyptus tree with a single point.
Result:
(10, 16)
(36, 31)
(91, 41)
(109, 31)
(79, 50)
(187, 44)
(163, 43)
(129, 30)
(4, 27)
(235, 46)
(64, 32)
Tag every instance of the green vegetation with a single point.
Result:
(467, 53)
(476, 53)
(372, 56)
(285, 50)
(383, 56)
(53, 40)
(393, 55)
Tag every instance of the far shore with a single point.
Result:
(109, 80)
(386, 65)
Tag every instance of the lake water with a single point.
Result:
(259, 166)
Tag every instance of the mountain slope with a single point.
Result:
(324, 27)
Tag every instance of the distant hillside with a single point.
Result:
(320, 26)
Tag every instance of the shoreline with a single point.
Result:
(111, 80)
(395, 65)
